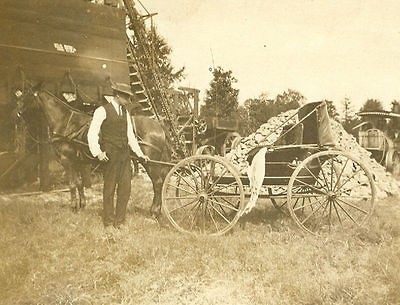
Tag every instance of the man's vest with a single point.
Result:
(114, 129)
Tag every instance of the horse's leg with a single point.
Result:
(80, 183)
(155, 209)
(157, 175)
(135, 165)
(71, 176)
(85, 170)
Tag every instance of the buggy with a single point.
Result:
(322, 188)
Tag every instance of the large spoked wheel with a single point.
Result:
(203, 194)
(330, 191)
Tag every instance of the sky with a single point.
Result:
(324, 49)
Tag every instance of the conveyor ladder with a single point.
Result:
(169, 117)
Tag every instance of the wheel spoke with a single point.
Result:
(322, 170)
(217, 180)
(352, 205)
(297, 200)
(231, 207)
(210, 174)
(181, 197)
(326, 202)
(348, 179)
(311, 214)
(183, 178)
(315, 177)
(307, 205)
(340, 175)
(194, 176)
(223, 217)
(212, 218)
(197, 208)
(182, 189)
(310, 186)
(330, 214)
(332, 170)
(227, 201)
(337, 213)
(182, 206)
(348, 215)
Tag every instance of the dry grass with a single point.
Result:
(52, 256)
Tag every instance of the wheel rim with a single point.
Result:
(195, 200)
(334, 192)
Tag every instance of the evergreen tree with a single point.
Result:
(349, 118)
(152, 55)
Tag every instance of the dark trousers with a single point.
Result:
(117, 176)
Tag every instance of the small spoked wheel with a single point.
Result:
(330, 191)
(203, 194)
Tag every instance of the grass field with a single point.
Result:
(51, 255)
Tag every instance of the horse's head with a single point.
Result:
(27, 102)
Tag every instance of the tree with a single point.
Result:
(152, 56)
(259, 110)
(244, 120)
(221, 99)
(161, 53)
(349, 118)
(290, 99)
(372, 105)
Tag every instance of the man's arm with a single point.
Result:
(132, 141)
(94, 130)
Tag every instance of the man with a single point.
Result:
(110, 135)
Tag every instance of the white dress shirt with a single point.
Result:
(99, 116)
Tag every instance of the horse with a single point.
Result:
(68, 133)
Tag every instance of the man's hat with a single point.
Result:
(121, 87)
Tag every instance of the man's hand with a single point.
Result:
(102, 156)
(144, 159)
